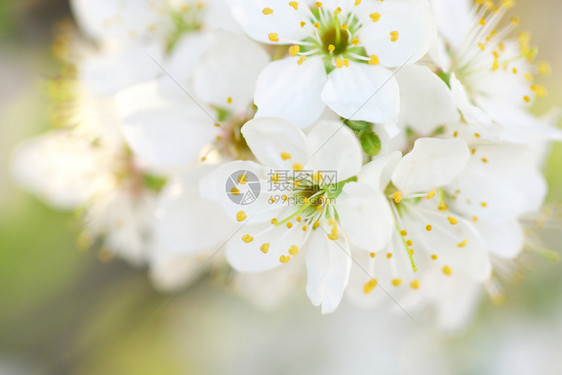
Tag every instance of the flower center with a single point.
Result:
(335, 40)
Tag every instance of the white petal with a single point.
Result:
(504, 240)
(187, 223)
(283, 21)
(458, 246)
(224, 72)
(249, 257)
(112, 70)
(60, 168)
(125, 20)
(363, 92)
(431, 163)
(513, 183)
(366, 216)
(414, 23)
(268, 138)
(164, 129)
(475, 116)
(425, 100)
(454, 19)
(328, 265)
(324, 145)
(185, 56)
(376, 174)
(291, 91)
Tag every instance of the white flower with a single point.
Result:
(299, 208)
(490, 75)
(169, 128)
(426, 237)
(71, 170)
(340, 55)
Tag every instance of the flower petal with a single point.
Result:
(363, 92)
(431, 163)
(505, 240)
(286, 84)
(276, 143)
(164, 129)
(366, 216)
(328, 265)
(425, 100)
(411, 20)
(324, 145)
(224, 76)
(260, 18)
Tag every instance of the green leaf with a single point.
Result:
(370, 142)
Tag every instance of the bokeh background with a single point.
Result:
(68, 311)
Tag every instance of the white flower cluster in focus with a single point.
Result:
(379, 149)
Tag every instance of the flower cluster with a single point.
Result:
(366, 148)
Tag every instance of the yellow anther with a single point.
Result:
(284, 259)
(409, 242)
(375, 17)
(372, 255)
(397, 196)
(477, 135)
(234, 191)
(484, 204)
(289, 225)
(297, 167)
(482, 21)
(431, 194)
(301, 60)
(475, 218)
(526, 98)
(294, 50)
(304, 228)
(241, 216)
(331, 48)
(247, 238)
(357, 2)
(229, 100)
(393, 36)
(463, 243)
(267, 11)
(318, 4)
(389, 255)
(543, 68)
(415, 284)
(294, 4)
(403, 233)
(344, 27)
(374, 60)
(303, 23)
(428, 228)
(434, 257)
(396, 282)
(274, 37)
(355, 41)
(484, 160)
(275, 178)
(337, 11)
(299, 219)
(482, 46)
(315, 225)
(316, 177)
(274, 221)
(447, 270)
(243, 179)
(317, 25)
(264, 248)
(443, 206)
(452, 220)
(369, 286)
(293, 250)
(285, 156)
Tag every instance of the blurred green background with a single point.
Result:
(63, 311)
